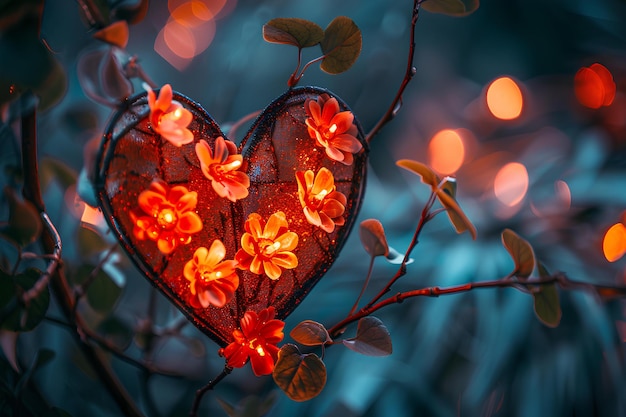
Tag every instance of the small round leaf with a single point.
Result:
(293, 31)
(451, 7)
(546, 301)
(341, 45)
(372, 338)
(521, 252)
(373, 237)
(102, 292)
(310, 333)
(301, 377)
(457, 217)
(22, 318)
(24, 224)
(427, 175)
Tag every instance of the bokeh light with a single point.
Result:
(511, 184)
(446, 152)
(504, 98)
(594, 86)
(614, 242)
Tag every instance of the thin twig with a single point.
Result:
(424, 218)
(240, 122)
(507, 282)
(200, 393)
(408, 75)
(367, 280)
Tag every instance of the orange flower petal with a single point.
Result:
(189, 223)
(288, 241)
(276, 221)
(271, 270)
(285, 260)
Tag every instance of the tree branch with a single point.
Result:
(408, 75)
(51, 243)
(200, 393)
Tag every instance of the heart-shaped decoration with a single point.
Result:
(261, 239)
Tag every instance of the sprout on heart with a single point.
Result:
(221, 166)
(256, 340)
(166, 215)
(211, 280)
(322, 204)
(168, 117)
(333, 129)
(266, 247)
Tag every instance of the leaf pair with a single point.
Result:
(545, 296)
(340, 42)
(446, 194)
(303, 376)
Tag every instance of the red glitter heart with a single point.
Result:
(277, 146)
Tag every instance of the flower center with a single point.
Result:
(315, 201)
(330, 132)
(268, 247)
(167, 218)
(208, 274)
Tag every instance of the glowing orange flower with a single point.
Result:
(267, 247)
(168, 117)
(333, 129)
(323, 206)
(256, 341)
(166, 215)
(221, 167)
(211, 280)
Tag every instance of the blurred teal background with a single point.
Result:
(482, 353)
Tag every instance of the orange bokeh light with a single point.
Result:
(511, 184)
(504, 98)
(199, 8)
(594, 86)
(446, 152)
(614, 242)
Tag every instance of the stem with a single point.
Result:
(367, 280)
(293, 81)
(306, 66)
(82, 289)
(200, 393)
(408, 75)
(240, 122)
(51, 243)
(507, 282)
(424, 218)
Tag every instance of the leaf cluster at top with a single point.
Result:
(340, 42)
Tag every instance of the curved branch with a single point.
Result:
(408, 75)
(51, 243)
(200, 393)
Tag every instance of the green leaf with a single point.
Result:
(456, 214)
(301, 377)
(102, 293)
(90, 242)
(451, 7)
(293, 31)
(372, 338)
(51, 169)
(373, 237)
(116, 331)
(18, 317)
(341, 45)
(521, 252)
(546, 301)
(42, 357)
(310, 333)
(250, 406)
(427, 175)
(24, 224)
